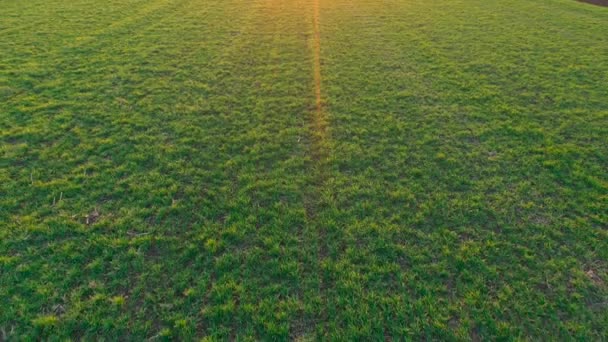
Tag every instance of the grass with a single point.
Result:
(166, 171)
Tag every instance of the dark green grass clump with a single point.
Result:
(160, 173)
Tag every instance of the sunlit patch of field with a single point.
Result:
(303, 169)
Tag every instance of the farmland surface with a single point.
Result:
(303, 169)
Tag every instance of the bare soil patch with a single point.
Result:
(596, 2)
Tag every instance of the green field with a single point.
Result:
(303, 169)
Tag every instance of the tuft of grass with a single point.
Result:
(45, 321)
(118, 300)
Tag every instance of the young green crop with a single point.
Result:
(168, 172)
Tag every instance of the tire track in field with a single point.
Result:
(320, 120)
(320, 147)
(315, 201)
(142, 13)
(62, 60)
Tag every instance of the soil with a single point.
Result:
(596, 2)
